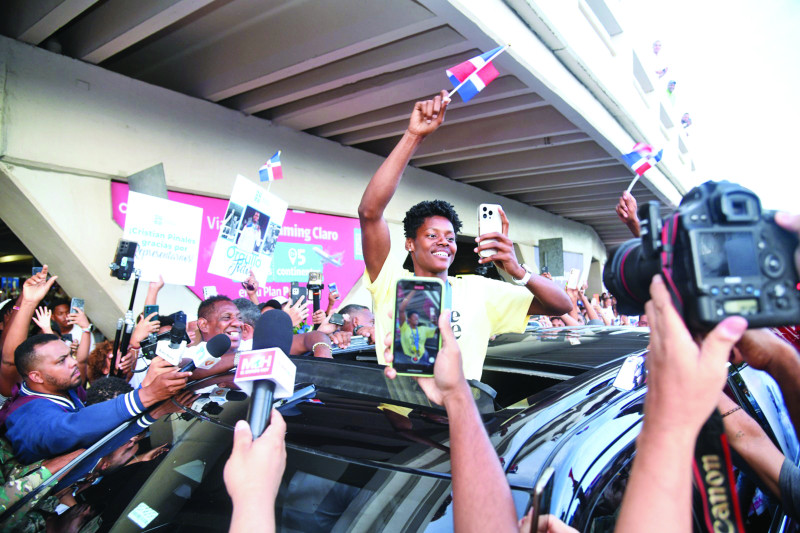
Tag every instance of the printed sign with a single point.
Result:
(168, 234)
(248, 233)
(336, 239)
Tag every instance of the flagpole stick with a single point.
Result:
(454, 91)
(630, 187)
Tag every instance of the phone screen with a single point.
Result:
(298, 291)
(76, 303)
(148, 309)
(36, 270)
(418, 303)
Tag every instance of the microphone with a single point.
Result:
(267, 365)
(207, 354)
(177, 333)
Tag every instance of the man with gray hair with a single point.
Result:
(250, 314)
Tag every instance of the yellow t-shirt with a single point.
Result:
(408, 338)
(482, 307)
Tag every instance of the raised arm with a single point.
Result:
(152, 291)
(33, 291)
(477, 474)
(77, 316)
(426, 117)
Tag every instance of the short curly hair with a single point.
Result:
(416, 216)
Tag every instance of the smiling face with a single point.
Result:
(433, 249)
(226, 319)
(54, 370)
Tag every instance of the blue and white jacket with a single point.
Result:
(41, 426)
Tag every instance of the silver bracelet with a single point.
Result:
(320, 343)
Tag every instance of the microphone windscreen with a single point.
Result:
(218, 345)
(273, 330)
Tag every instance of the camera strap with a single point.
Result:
(714, 479)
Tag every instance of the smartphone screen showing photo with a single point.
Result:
(418, 303)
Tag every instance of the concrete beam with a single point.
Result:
(500, 148)
(505, 95)
(586, 152)
(33, 21)
(241, 45)
(556, 180)
(420, 81)
(399, 55)
(117, 24)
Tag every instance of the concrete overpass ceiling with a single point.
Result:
(349, 71)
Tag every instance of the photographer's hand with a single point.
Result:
(683, 386)
(791, 223)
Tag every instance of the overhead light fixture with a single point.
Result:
(14, 258)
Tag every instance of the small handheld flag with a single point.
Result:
(473, 75)
(271, 170)
(642, 158)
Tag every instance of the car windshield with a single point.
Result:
(364, 453)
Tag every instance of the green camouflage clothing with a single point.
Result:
(18, 480)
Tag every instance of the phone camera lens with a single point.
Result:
(485, 208)
(490, 213)
(484, 215)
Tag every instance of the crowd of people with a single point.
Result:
(66, 389)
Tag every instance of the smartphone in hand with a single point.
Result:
(76, 303)
(418, 303)
(148, 309)
(489, 221)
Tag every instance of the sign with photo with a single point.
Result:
(168, 234)
(248, 233)
(304, 242)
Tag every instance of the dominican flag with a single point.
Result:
(642, 158)
(272, 170)
(470, 77)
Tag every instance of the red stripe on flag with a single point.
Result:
(462, 70)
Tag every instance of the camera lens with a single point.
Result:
(628, 274)
(490, 213)
(485, 208)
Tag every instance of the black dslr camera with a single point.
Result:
(719, 255)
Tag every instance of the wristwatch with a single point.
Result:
(88, 329)
(525, 278)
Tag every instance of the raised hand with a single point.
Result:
(42, 319)
(298, 311)
(428, 115)
(626, 211)
(77, 316)
(504, 257)
(36, 287)
(145, 327)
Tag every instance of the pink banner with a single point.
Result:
(308, 242)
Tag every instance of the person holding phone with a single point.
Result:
(481, 307)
